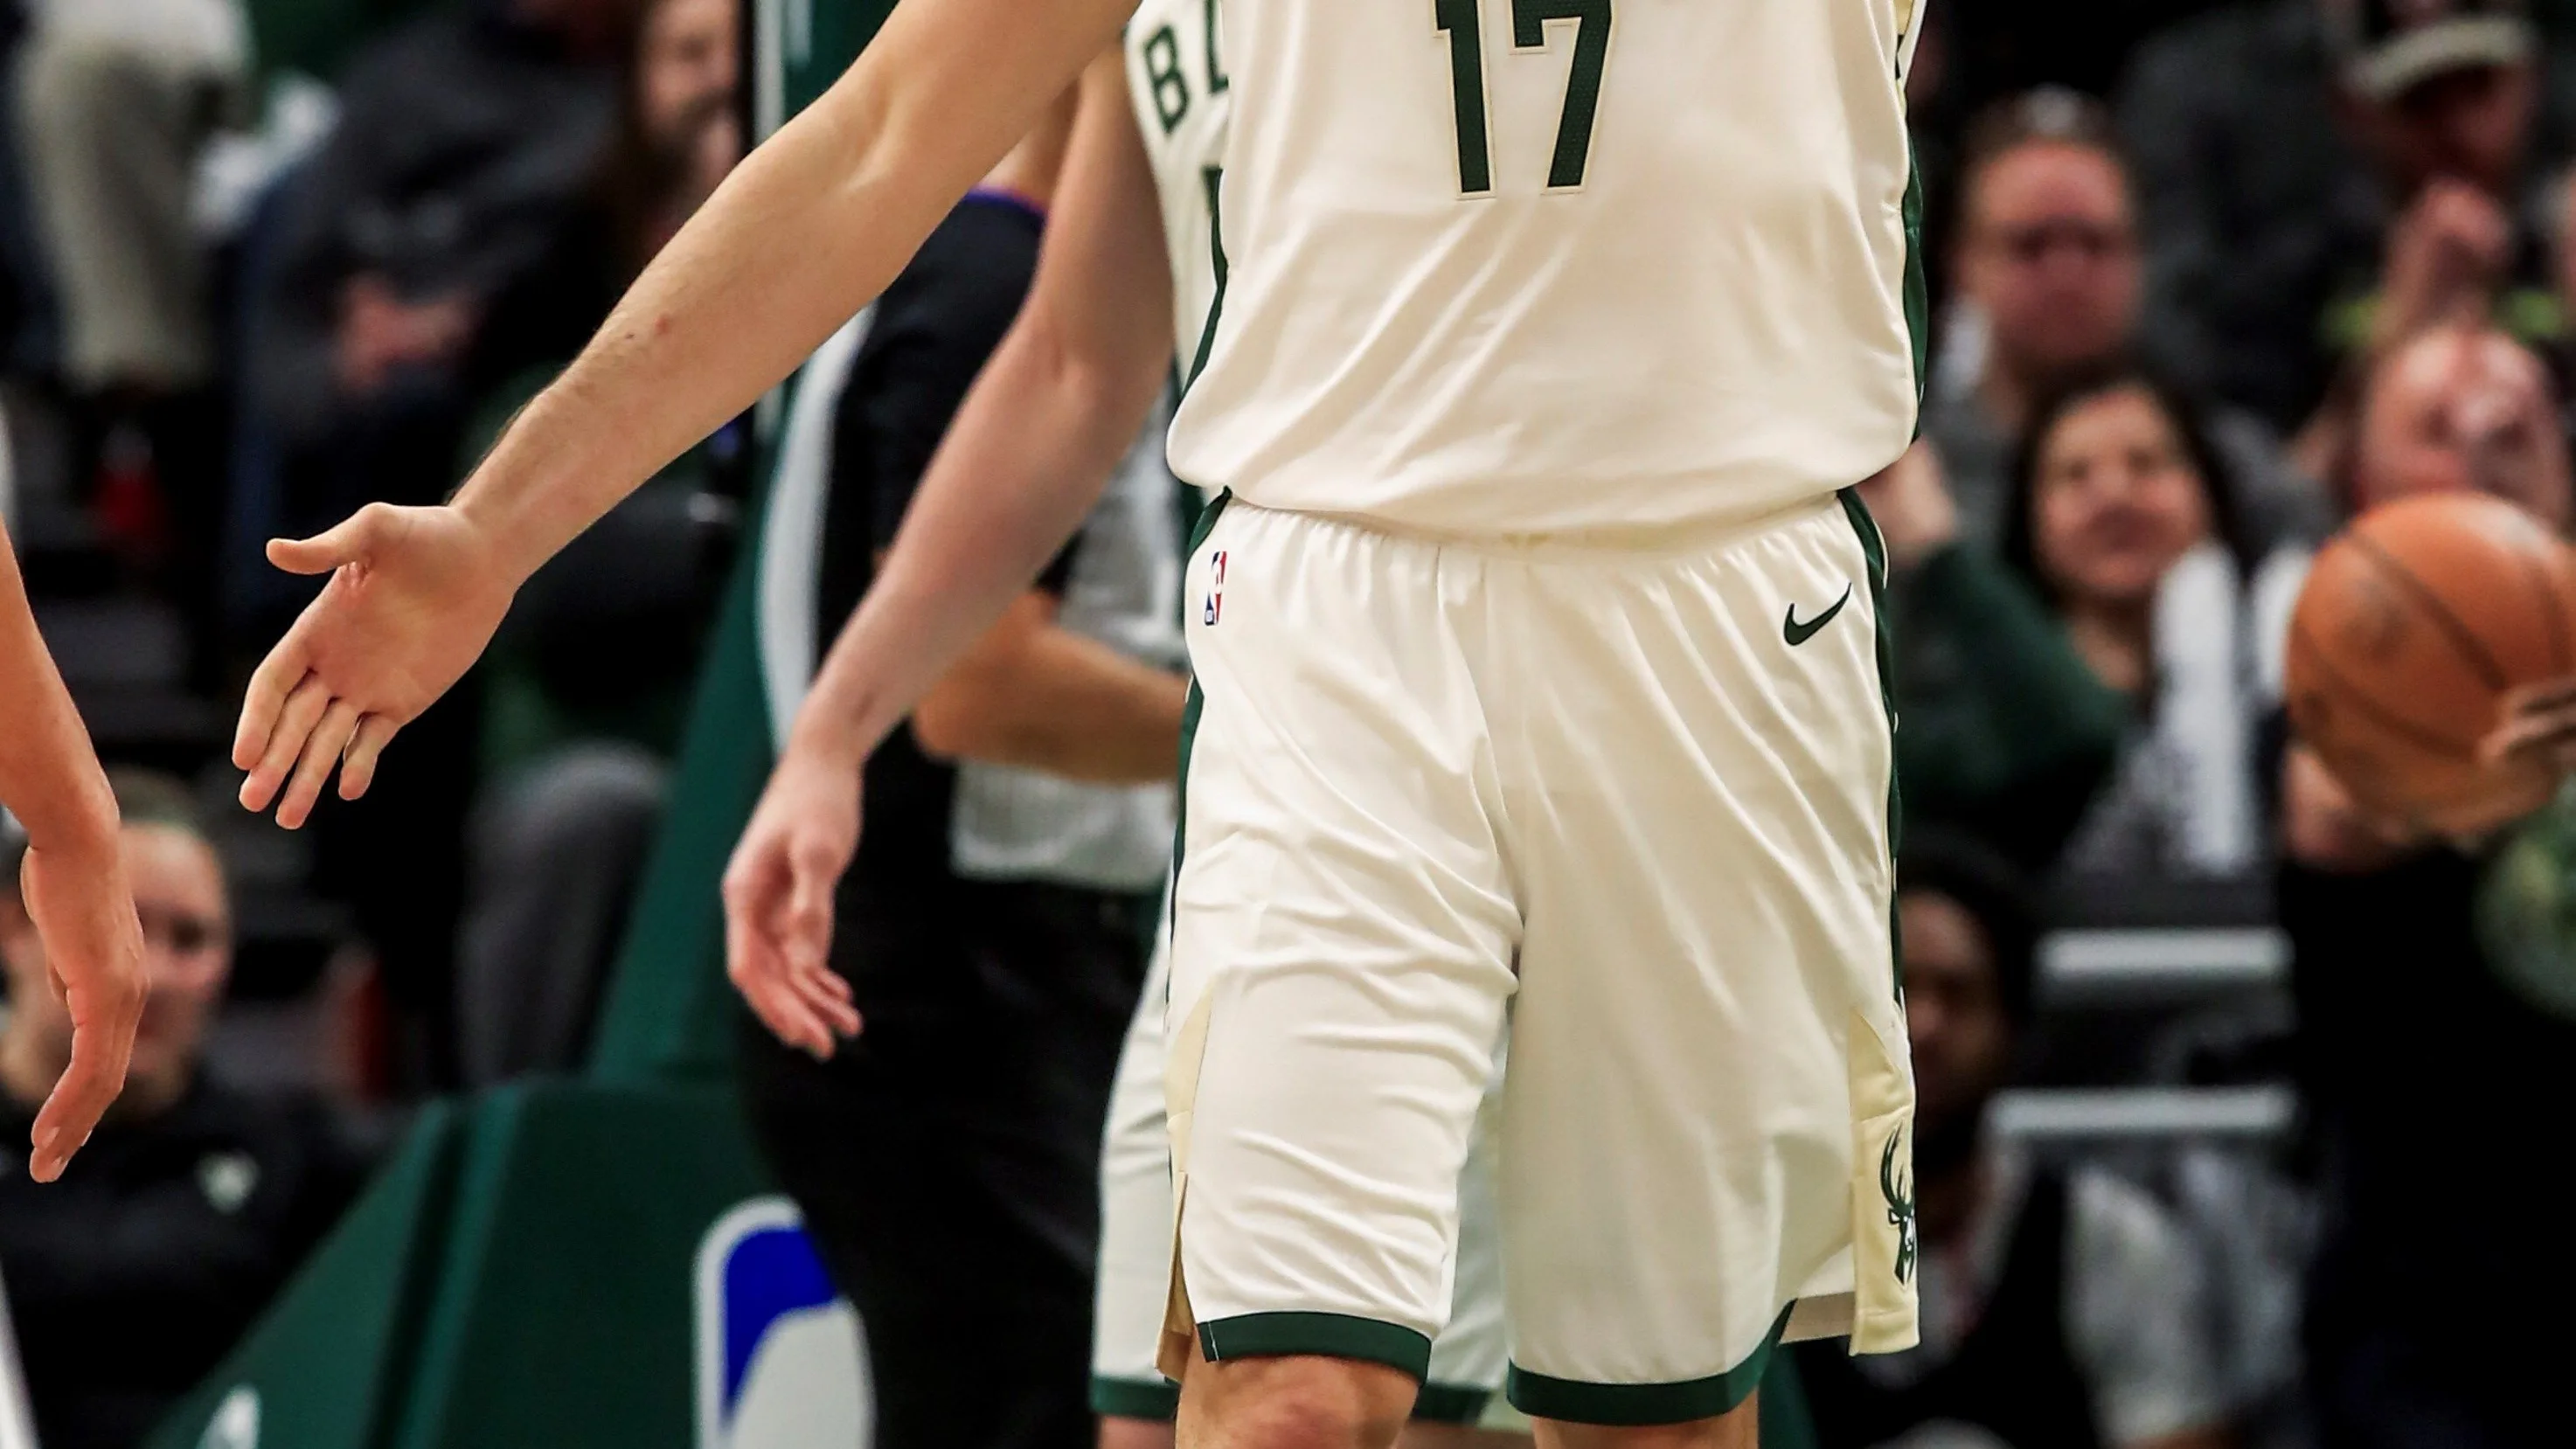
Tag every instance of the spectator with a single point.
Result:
(600, 644)
(2091, 706)
(2321, 177)
(590, 678)
(136, 1272)
(2046, 285)
(2126, 521)
(2060, 1308)
(116, 101)
(2436, 993)
(464, 143)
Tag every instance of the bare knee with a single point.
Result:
(1293, 1402)
(1459, 1436)
(1734, 1430)
(1121, 1433)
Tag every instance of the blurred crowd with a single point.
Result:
(2208, 279)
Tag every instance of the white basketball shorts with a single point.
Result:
(1633, 795)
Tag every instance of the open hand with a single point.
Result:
(2539, 726)
(778, 901)
(415, 594)
(84, 912)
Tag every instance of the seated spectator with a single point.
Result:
(464, 144)
(2320, 178)
(601, 644)
(2089, 705)
(2435, 984)
(116, 102)
(2045, 287)
(2060, 1308)
(131, 1276)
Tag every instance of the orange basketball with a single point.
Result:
(2412, 625)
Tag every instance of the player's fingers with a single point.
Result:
(358, 766)
(806, 927)
(2530, 733)
(350, 541)
(270, 684)
(322, 751)
(760, 975)
(822, 992)
(2550, 697)
(102, 1042)
(295, 721)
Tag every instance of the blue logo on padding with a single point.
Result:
(779, 1352)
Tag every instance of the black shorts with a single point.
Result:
(947, 1161)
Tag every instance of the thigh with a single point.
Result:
(1708, 1056)
(1343, 935)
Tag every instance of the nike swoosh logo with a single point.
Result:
(1797, 633)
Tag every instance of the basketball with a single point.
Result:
(2413, 625)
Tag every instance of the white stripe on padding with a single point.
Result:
(791, 531)
(17, 1424)
(2135, 1113)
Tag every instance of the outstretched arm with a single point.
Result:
(1024, 461)
(1032, 446)
(813, 224)
(73, 880)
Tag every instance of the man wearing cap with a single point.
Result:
(2320, 178)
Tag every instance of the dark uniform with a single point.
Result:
(946, 1160)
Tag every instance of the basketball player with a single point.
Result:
(1534, 636)
(1105, 308)
(74, 878)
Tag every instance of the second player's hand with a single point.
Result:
(84, 913)
(415, 594)
(2539, 725)
(778, 901)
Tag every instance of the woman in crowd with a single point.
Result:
(2091, 701)
(132, 1276)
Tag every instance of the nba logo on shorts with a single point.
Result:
(778, 1351)
(1215, 606)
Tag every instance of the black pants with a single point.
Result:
(947, 1161)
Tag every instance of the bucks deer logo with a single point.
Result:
(1899, 1192)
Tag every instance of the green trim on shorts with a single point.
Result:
(1634, 1405)
(1191, 708)
(1451, 1403)
(1327, 1335)
(1159, 1401)
(1874, 550)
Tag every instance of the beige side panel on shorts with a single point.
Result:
(1180, 1099)
(1883, 1243)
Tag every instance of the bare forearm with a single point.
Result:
(999, 501)
(1031, 447)
(49, 778)
(812, 225)
(1061, 703)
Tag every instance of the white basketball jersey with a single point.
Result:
(1179, 87)
(1510, 266)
